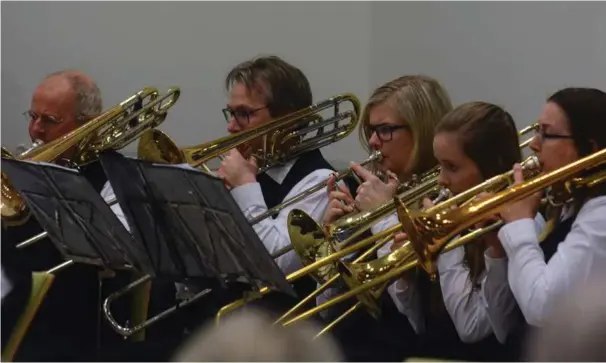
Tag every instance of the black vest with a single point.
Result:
(440, 339)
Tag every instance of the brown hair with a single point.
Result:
(419, 102)
(585, 109)
(285, 87)
(489, 137)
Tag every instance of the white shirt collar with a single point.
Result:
(279, 173)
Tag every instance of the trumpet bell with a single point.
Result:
(309, 242)
(358, 274)
(14, 209)
(155, 146)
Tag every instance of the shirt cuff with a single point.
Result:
(248, 196)
(515, 233)
(451, 258)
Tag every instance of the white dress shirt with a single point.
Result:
(536, 284)
(405, 296)
(108, 195)
(274, 232)
(476, 314)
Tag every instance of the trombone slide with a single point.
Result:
(434, 235)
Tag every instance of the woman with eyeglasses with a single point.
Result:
(470, 312)
(572, 125)
(398, 121)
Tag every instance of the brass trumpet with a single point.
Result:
(114, 129)
(436, 227)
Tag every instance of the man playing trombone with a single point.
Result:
(65, 327)
(61, 103)
(261, 90)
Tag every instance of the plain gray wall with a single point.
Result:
(511, 53)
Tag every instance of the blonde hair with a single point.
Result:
(419, 102)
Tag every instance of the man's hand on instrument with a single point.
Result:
(236, 171)
(340, 201)
(373, 192)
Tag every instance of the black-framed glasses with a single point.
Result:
(542, 135)
(385, 132)
(241, 115)
(46, 119)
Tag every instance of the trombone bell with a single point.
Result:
(309, 242)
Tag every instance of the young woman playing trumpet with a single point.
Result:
(398, 121)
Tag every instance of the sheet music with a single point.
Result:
(190, 224)
(79, 222)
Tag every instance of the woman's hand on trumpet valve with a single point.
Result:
(525, 208)
(235, 170)
(340, 201)
(373, 192)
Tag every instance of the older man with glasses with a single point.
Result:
(66, 328)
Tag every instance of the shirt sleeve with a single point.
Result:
(274, 232)
(404, 295)
(107, 193)
(536, 284)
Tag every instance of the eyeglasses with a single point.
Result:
(241, 115)
(46, 119)
(385, 132)
(542, 135)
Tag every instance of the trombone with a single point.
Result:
(282, 140)
(499, 182)
(432, 232)
(316, 248)
(114, 129)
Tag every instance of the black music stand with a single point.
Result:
(197, 230)
(78, 221)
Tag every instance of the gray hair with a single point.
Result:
(88, 95)
(250, 335)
